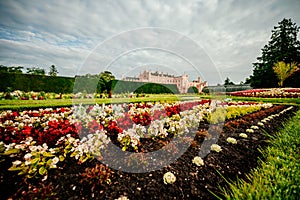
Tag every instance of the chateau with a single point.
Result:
(182, 82)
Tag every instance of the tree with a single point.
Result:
(53, 71)
(283, 46)
(283, 71)
(104, 84)
(228, 82)
(193, 89)
(16, 70)
(36, 71)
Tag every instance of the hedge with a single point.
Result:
(29, 82)
(58, 84)
(119, 86)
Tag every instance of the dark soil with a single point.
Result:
(192, 182)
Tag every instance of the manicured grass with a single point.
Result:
(290, 101)
(32, 104)
(278, 176)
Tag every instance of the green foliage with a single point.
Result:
(228, 82)
(86, 84)
(278, 177)
(193, 90)
(5, 69)
(283, 46)
(38, 162)
(29, 82)
(104, 84)
(232, 112)
(119, 86)
(36, 71)
(53, 71)
(283, 71)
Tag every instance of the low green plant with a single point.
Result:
(35, 162)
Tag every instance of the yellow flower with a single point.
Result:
(231, 140)
(243, 135)
(215, 148)
(198, 161)
(169, 177)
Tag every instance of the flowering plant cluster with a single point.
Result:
(39, 140)
(261, 123)
(270, 93)
(20, 95)
(32, 95)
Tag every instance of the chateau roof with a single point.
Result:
(157, 73)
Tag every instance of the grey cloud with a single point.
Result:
(67, 34)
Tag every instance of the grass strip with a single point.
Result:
(278, 176)
(287, 101)
(35, 104)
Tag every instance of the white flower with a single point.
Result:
(231, 140)
(215, 148)
(45, 178)
(169, 177)
(260, 124)
(198, 161)
(27, 162)
(33, 148)
(28, 156)
(55, 160)
(243, 135)
(17, 162)
(254, 127)
(20, 146)
(249, 130)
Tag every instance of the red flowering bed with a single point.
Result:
(270, 93)
(61, 153)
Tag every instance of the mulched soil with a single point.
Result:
(192, 182)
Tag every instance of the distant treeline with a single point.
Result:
(30, 82)
(58, 84)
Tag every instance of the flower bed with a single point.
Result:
(270, 93)
(56, 152)
(32, 95)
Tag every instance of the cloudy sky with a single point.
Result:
(211, 38)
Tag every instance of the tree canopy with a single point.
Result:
(53, 71)
(283, 71)
(36, 71)
(104, 84)
(283, 46)
(228, 82)
(17, 70)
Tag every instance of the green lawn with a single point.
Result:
(290, 101)
(33, 104)
(278, 177)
